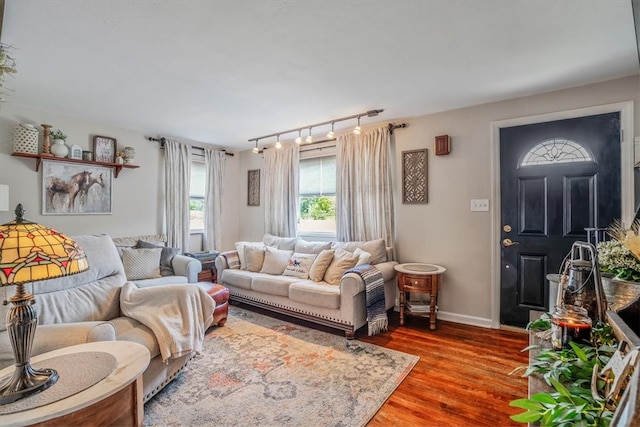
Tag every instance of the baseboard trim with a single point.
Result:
(464, 319)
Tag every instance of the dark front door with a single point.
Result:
(557, 178)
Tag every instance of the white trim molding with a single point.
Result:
(626, 174)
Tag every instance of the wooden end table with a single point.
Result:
(116, 400)
(422, 278)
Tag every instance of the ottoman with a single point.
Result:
(220, 295)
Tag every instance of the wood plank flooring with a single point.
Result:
(462, 378)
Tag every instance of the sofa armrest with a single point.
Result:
(224, 260)
(387, 270)
(186, 266)
(52, 337)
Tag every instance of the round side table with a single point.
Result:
(422, 278)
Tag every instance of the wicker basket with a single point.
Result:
(25, 139)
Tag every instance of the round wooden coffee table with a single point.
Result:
(422, 278)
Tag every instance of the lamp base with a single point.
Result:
(26, 381)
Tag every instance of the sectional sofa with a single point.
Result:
(307, 280)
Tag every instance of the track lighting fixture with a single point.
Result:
(256, 150)
(330, 135)
(357, 130)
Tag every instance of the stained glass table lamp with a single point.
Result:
(31, 252)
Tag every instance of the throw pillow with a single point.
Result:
(319, 266)
(377, 249)
(285, 243)
(342, 261)
(363, 257)
(299, 265)
(275, 260)
(254, 257)
(304, 247)
(240, 248)
(141, 263)
(166, 256)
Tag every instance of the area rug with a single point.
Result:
(261, 371)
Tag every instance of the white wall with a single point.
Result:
(444, 231)
(138, 194)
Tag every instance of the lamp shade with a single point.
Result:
(31, 252)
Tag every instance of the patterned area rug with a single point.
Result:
(261, 371)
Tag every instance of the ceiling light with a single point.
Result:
(309, 138)
(278, 143)
(331, 134)
(357, 130)
(256, 150)
(299, 138)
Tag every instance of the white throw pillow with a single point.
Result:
(240, 248)
(320, 265)
(275, 260)
(363, 257)
(299, 265)
(141, 263)
(342, 261)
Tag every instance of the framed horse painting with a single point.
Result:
(73, 188)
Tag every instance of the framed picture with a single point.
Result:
(414, 176)
(253, 188)
(72, 188)
(104, 149)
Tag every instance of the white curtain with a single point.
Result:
(281, 190)
(177, 178)
(364, 197)
(214, 161)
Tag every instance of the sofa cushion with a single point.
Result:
(363, 257)
(299, 265)
(272, 285)
(317, 294)
(253, 257)
(376, 248)
(130, 242)
(141, 263)
(342, 261)
(166, 256)
(320, 265)
(304, 247)
(236, 277)
(284, 243)
(275, 260)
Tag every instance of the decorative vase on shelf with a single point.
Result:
(129, 154)
(58, 148)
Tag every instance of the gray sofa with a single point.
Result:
(86, 307)
(341, 305)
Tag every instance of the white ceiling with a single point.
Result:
(222, 72)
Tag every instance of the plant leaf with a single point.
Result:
(526, 417)
(526, 404)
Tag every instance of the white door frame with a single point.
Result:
(626, 176)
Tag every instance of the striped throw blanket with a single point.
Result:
(374, 289)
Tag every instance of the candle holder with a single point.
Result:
(46, 139)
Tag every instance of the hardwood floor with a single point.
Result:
(462, 378)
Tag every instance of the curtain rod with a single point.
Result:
(162, 140)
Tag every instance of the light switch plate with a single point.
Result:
(479, 205)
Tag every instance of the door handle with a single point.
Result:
(508, 242)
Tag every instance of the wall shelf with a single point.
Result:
(40, 157)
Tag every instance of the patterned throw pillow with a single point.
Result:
(319, 266)
(141, 263)
(299, 265)
(166, 256)
(275, 260)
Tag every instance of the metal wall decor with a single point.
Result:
(414, 176)
(253, 188)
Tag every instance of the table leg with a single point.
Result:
(402, 300)
(433, 300)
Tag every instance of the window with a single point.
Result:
(557, 150)
(196, 196)
(317, 196)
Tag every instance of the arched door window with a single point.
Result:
(557, 150)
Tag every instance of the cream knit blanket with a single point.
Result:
(178, 315)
